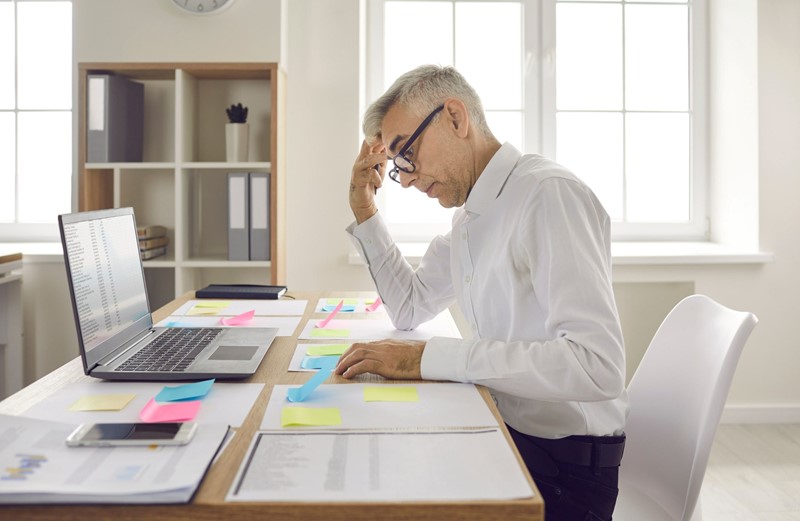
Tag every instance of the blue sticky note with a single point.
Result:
(345, 308)
(316, 362)
(299, 394)
(192, 391)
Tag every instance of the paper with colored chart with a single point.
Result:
(378, 329)
(439, 405)
(301, 359)
(229, 308)
(227, 403)
(350, 305)
(286, 325)
(365, 466)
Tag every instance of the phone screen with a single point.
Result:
(132, 431)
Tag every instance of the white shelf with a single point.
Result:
(130, 166)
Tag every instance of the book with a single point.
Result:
(155, 242)
(241, 291)
(38, 467)
(151, 231)
(152, 253)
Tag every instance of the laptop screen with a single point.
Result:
(108, 287)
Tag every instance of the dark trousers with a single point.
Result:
(577, 476)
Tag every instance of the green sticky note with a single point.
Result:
(308, 416)
(330, 333)
(102, 402)
(331, 350)
(391, 393)
(347, 301)
(211, 307)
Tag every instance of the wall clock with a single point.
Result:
(203, 6)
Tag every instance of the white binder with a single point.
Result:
(238, 217)
(115, 119)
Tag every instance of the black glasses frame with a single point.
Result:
(406, 165)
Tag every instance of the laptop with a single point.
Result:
(115, 328)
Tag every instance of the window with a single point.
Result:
(608, 88)
(35, 117)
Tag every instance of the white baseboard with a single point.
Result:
(761, 414)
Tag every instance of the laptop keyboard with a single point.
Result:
(173, 350)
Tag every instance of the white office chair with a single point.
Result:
(676, 400)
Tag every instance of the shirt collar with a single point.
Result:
(491, 181)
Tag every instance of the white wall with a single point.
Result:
(321, 54)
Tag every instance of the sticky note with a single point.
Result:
(327, 350)
(171, 412)
(346, 301)
(239, 320)
(315, 362)
(391, 393)
(299, 394)
(330, 333)
(192, 391)
(307, 416)
(323, 323)
(102, 402)
(345, 309)
(373, 306)
(212, 307)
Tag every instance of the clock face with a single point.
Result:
(203, 6)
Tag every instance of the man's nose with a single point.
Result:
(407, 179)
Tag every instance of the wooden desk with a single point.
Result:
(209, 502)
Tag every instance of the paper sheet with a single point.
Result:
(329, 465)
(227, 403)
(229, 308)
(99, 475)
(445, 405)
(286, 325)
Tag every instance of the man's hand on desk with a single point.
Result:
(394, 359)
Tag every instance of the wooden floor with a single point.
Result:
(753, 474)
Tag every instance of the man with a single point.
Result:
(527, 260)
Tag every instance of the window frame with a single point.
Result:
(539, 113)
(26, 232)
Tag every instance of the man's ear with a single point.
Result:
(458, 116)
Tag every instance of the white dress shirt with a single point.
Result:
(528, 260)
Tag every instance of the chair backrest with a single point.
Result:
(676, 399)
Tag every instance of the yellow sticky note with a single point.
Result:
(391, 393)
(212, 307)
(329, 350)
(102, 402)
(330, 333)
(308, 416)
(347, 301)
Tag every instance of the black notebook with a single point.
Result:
(241, 291)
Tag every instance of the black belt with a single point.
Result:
(587, 451)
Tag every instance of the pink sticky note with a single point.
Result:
(375, 305)
(239, 320)
(172, 412)
(323, 323)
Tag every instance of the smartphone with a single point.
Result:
(131, 434)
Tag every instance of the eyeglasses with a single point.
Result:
(401, 162)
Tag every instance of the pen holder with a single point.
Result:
(236, 141)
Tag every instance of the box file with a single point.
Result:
(259, 216)
(115, 119)
(238, 217)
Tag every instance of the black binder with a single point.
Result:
(241, 291)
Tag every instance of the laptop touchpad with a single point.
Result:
(233, 353)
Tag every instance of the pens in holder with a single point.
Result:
(323, 323)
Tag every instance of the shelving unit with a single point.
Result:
(182, 181)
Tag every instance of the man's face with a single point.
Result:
(437, 154)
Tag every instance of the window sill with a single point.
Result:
(637, 254)
(35, 252)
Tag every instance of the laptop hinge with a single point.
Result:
(122, 350)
